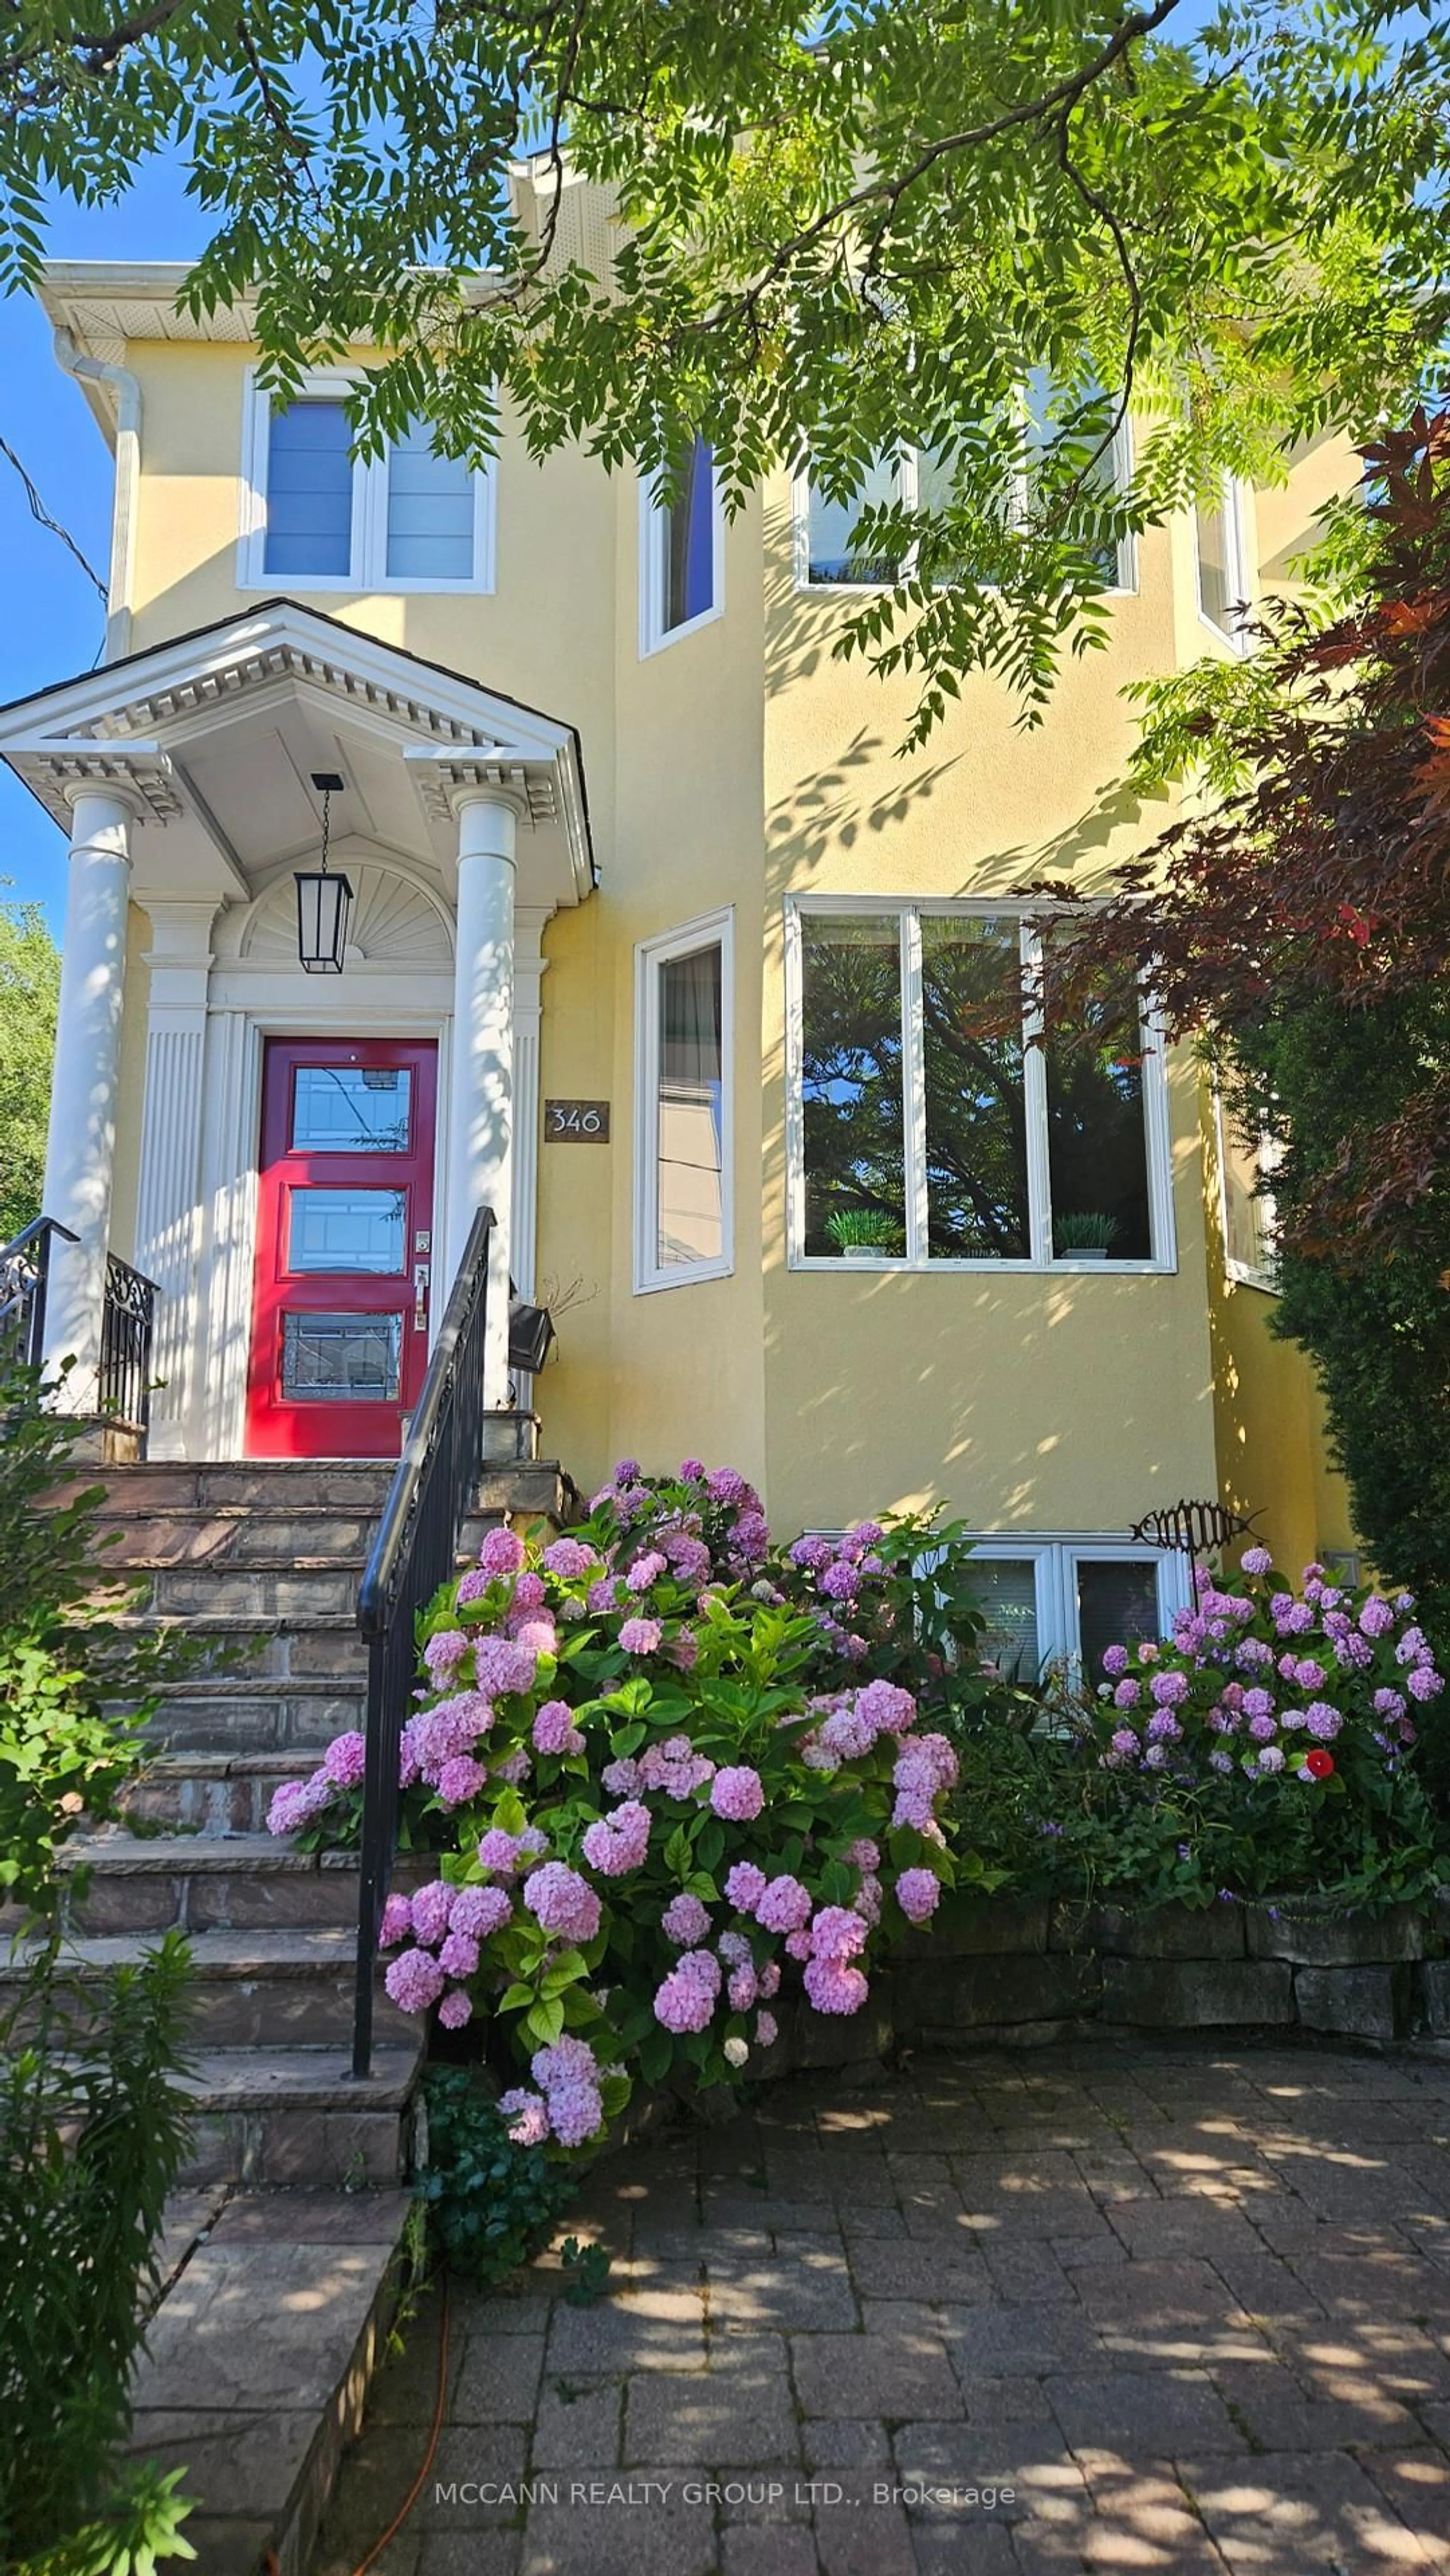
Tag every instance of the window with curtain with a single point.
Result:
(1007, 1591)
(1117, 1604)
(683, 1177)
(924, 1127)
(430, 513)
(309, 491)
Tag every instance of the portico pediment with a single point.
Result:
(217, 737)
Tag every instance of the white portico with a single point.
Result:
(184, 778)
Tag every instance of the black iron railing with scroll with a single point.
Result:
(415, 1547)
(128, 1318)
(25, 1285)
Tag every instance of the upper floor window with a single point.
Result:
(1250, 1219)
(682, 552)
(683, 1105)
(314, 515)
(1222, 563)
(828, 554)
(926, 1129)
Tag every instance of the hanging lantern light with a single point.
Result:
(324, 901)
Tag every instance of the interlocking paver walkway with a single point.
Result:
(1119, 2308)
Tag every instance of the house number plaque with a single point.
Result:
(576, 1122)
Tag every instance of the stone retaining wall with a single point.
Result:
(989, 1973)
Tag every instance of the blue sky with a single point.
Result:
(54, 623)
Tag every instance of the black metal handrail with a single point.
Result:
(128, 1322)
(415, 1548)
(25, 1285)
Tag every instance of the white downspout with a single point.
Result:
(127, 487)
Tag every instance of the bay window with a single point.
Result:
(926, 1129)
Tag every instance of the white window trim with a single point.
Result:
(906, 464)
(1156, 1135)
(654, 635)
(1238, 570)
(1055, 1555)
(1247, 1274)
(367, 570)
(709, 930)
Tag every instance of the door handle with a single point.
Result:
(420, 1296)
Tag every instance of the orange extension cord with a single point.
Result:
(416, 2489)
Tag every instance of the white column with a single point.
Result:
(480, 1127)
(80, 1153)
(168, 1212)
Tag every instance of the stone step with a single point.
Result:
(250, 1647)
(202, 1883)
(291, 1488)
(258, 2364)
(216, 1794)
(287, 1588)
(232, 1535)
(288, 1484)
(139, 1542)
(275, 2116)
(259, 1989)
(265, 1714)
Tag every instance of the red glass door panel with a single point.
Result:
(344, 1246)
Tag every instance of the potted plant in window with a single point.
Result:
(1086, 1235)
(863, 1234)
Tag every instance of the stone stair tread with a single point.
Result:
(223, 2079)
(278, 1764)
(116, 1851)
(235, 1623)
(257, 2365)
(303, 1951)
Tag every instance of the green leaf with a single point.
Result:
(679, 1853)
(545, 2022)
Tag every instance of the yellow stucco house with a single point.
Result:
(655, 943)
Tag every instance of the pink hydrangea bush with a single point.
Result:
(667, 1801)
(1319, 1693)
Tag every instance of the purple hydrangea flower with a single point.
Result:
(737, 1794)
(783, 1905)
(502, 1552)
(562, 1901)
(685, 1921)
(414, 1981)
(918, 1893)
(640, 1636)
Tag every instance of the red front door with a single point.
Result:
(344, 1246)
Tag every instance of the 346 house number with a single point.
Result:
(576, 1122)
